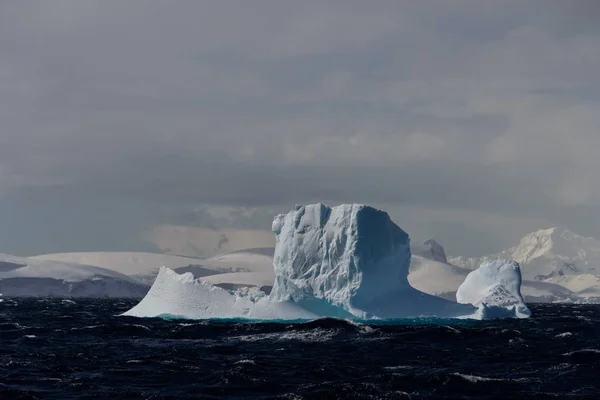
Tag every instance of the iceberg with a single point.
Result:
(351, 261)
(495, 287)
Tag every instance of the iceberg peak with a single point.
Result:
(347, 255)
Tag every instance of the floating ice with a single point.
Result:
(349, 261)
(495, 287)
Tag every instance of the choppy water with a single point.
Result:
(55, 349)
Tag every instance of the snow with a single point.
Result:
(143, 266)
(583, 285)
(443, 280)
(436, 278)
(250, 260)
(495, 287)
(556, 257)
(430, 249)
(29, 277)
(546, 253)
(350, 261)
(233, 279)
(206, 242)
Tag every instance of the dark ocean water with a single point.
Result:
(53, 349)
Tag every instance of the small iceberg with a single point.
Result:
(495, 288)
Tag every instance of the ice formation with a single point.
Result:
(349, 261)
(495, 287)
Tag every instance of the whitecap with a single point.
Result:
(85, 327)
(245, 361)
(478, 379)
(138, 326)
(582, 351)
(564, 334)
(398, 367)
(316, 335)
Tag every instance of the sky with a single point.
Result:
(469, 121)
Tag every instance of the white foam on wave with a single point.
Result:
(312, 336)
(245, 361)
(480, 379)
(564, 334)
(582, 351)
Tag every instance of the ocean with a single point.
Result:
(81, 349)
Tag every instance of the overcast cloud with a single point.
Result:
(472, 121)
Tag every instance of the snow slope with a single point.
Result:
(206, 242)
(28, 277)
(349, 261)
(256, 265)
(443, 280)
(547, 253)
(584, 285)
(431, 250)
(258, 260)
(436, 278)
(143, 266)
(554, 256)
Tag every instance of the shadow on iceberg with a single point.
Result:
(349, 261)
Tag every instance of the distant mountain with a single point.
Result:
(432, 273)
(250, 267)
(141, 266)
(556, 256)
(38, 278)
(430, 249)
(547, 253)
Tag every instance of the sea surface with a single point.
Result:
(81, 349)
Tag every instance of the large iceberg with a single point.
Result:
(349, 261)
(495, 287)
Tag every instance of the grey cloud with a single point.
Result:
(490, 107)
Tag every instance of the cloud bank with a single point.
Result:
(468, 116)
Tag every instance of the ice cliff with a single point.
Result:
(349, 261)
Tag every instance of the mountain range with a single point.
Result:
(557, 265)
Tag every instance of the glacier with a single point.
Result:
(350, 261)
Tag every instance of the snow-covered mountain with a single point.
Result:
(556, 256)
(557, 265)
(142, 266)
(250, 267)
(38, 278)
(442, 279)
(430, 249)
